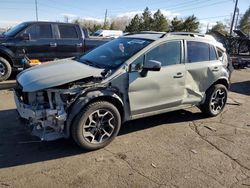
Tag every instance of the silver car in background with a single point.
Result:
(134, 76)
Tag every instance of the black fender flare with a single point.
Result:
(7, 52)
(84, 100)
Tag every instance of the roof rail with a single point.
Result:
(146, 32)
(188, 34)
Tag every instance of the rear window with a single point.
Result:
(67, 32)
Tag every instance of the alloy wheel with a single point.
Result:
(2, 69)
(218, 101)
(99, 126)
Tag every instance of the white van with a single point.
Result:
(108, 33)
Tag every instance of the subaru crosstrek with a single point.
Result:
(131, 77)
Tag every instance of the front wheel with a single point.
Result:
(96, 126)
(216, 98)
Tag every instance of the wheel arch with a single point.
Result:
(6, 55)
(92, 97)
(223, 81)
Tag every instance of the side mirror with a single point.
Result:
(150, 65)
(25, 36)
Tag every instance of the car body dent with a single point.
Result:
(199, 79)
(54, 74)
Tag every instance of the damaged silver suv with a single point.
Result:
(131, 77)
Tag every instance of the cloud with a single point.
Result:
(8, 23)
(68, 15)
(93, 19)
(168, 14)
(206, 24)
(129, 14)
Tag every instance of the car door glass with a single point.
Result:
(168, 53)
(197, 51)
(67, 32)
(212, 54)
(42, 31)
(137, 64)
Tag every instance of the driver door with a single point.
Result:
(162, 89)
(40, 46)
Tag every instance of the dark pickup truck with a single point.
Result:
(42, 41)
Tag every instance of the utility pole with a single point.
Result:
(105, 18)
(237, 17)
(207, 27)
(36, 10)
(232, 24)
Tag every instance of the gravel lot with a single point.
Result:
(177, 149)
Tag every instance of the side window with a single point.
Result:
(41, 31)
(220, 54)
(67, 32)
(212, 54)
(168, 53)
(197, 51)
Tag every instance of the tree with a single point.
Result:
(176, 25)
(91, 25)
(147, 20)
(160, 23)
(112, 25)
(245, 22)
(134, 25)
(219, 27)
(119, 23)
(106, 25)
(95, 28)
(191, 24)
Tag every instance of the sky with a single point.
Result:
(207, 11)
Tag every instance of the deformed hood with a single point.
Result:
(54, 74)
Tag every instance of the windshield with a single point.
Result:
(14, 30)
(114, 53)
(96, 34)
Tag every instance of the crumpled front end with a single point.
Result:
(45, 111)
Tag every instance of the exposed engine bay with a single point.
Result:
(46, 110)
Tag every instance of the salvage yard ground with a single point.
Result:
(177, 149)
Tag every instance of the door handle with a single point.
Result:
(79, 45)
(53, 44)
(178, 75)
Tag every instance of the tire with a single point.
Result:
(92, 131)
(5, 69)
(216, 98)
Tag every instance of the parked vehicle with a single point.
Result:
(131, 77)
(108, 33)
(42, 41)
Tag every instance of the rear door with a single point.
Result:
(158, 90)
(203, 68)
(69, 42)
(40, 44)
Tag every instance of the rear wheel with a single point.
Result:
(96, 126)
(216, 98)
(5, 69)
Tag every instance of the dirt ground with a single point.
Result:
(177, 149)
